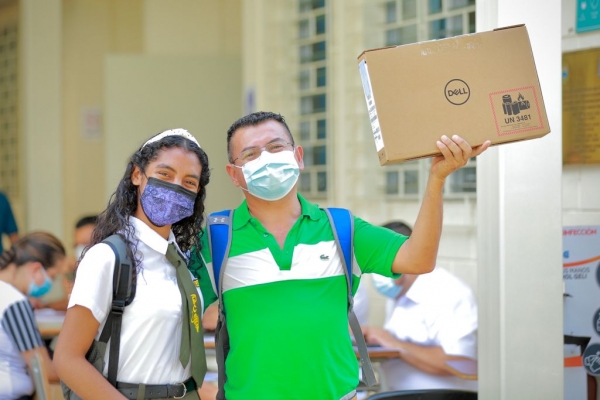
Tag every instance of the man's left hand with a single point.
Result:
(455, 154)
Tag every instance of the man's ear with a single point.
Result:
(299, 154)
(231, 171)
(136, 176)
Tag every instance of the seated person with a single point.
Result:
(431, 318)
(26, 269)
(361, 304)
(58, 296)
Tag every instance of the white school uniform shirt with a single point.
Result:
(151, 326)
(437, 310)
(361, 304)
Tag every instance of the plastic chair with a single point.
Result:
(426, 394)
(40, 379)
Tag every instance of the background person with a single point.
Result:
(58, 296)
(430, 319)
(26, 269)
(158, 209)
(283, 259)
(8, 225)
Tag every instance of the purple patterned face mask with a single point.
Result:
(166, 203)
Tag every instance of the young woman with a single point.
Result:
(26, 269)
(158, 202)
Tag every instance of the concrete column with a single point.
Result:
(519, 231)
(41, 113)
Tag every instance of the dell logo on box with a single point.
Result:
(457, 92)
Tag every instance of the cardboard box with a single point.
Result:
(479, 86)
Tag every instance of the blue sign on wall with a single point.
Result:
(588, 15)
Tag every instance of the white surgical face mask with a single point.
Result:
(387, 286)
(272, 175)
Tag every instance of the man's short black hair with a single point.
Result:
(254, 119)
(399, 227)
(87, 220)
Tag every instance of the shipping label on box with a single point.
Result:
(516, 111)
(481, 86)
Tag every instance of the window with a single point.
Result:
(321, 129)
(437, 19)
(435, 6)
(307, 5)
(409, 9)
(320, 25)
(463, 180)
(304, 130)
(304, 79)
(402, 35)
(313, 104)
(403, 180)
(452, 4)
(312, 99)
(390, 12)
(321, 76)
(312, 52)
(446, 27)
(303, 29)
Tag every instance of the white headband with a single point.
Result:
(172, 132)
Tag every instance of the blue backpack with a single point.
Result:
(219, 239)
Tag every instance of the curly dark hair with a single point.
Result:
(123, 202)
(254, 119)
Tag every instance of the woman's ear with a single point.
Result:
(136, 176)
(36, 269)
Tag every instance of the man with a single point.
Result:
(8, 225)
(430, 319)
(284, 288)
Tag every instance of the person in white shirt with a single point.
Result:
(158, 209)
(26, 269)
(430, 319)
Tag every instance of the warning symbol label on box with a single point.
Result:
(516, 110)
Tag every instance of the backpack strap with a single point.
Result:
(219, 227)
(342, 225)
(219, 241)
(123, 294)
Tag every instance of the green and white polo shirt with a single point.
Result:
(286, 308)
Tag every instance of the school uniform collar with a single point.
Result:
(242, 213)
(150, 238)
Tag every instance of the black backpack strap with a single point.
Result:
(123, 294)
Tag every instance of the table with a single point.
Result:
(49, 322)
(378, 353)
(465, 369)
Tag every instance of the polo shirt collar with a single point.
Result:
(149, 237)
(309, 210)
(243, 216)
